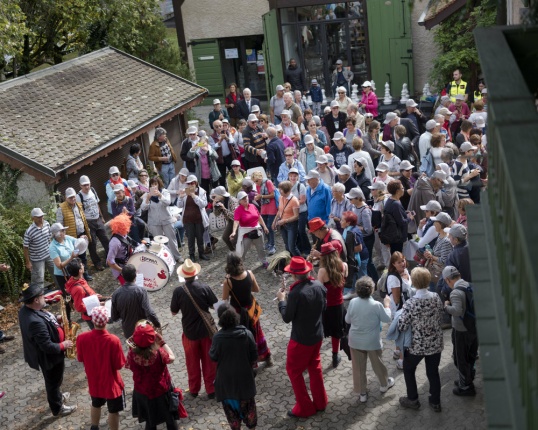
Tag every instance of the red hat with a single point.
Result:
(298, 266)
(144, 336)
(315, 224)
(327, 248)
(337, 245)
(99, 316)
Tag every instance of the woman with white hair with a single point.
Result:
(298, 96)
(343, 100)
(339, 205)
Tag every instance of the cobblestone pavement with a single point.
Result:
(25, 406)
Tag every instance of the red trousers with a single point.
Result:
(196, 352)
(301, 358)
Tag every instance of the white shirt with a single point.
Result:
(394, 282)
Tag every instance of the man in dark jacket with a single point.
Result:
(275, 154)
(336, 120)
(295, 76)
(44, 345)
(186, 145)
(392, 120)
(304, 309)
(412, 113)
(245, 106)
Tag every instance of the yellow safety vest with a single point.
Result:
(457, 89)
(477, 96)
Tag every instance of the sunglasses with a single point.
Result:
(115, 174)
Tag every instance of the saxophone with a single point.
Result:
(70, 329)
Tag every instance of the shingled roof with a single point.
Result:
(438, 10)
(53, 119)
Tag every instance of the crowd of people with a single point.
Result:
(357, 201)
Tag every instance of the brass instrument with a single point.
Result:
(70, 329)
(130, 343)
(310, 259)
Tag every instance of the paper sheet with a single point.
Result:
(91, 302)
(139, 280)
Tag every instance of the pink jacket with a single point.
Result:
(370, 100)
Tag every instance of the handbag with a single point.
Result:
(435, 268)
(208, 320)
(419, 257)
(254, 311)
(217, 222)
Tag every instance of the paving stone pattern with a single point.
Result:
(25, 406)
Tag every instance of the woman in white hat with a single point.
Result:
(388, 157)
(224, 203)
(206, 169)
(234, 179)
(248, 225)
(369, 99)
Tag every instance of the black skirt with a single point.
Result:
(153, 411)
(333, 321)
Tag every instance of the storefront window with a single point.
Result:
(287, 15)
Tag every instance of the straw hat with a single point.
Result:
(188, 269)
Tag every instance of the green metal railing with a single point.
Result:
(504, 231)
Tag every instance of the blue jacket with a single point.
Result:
(284, 170)
(316, 94)
(319, 203)
(401, 339)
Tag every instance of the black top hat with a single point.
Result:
(30, 291)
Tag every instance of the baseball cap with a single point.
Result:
(445, 99)
(308, 139)
(37, 212)
(389, 144)
(285, 112)
(225, 120)
(279, 88)
(431, 124)
(366, 84)
(184, 172)
(450, 272)
(192, 130)
(432, 206)
(220, 191)
(389, 117)
(216, 101)
(338, 135)
(445, 111)
(113, 169)
(459, 97)
(362, 161)
(378, 185)
(334, 103)
(406, 165)
(191, 178)
(293, 170)
(438, 174)
(235, 163)
(382, 167)
(355, 193)
(312, 174)
(241, 195)
(131, 183)
(252, 117)
(458, 231)
(56, 227)
(466, 146)
(255, 108)
(442, 217)
(119, 187)
(344, 170)
(84, 180)
(339, 62)
(322, 159)
(70, 192)
(410, 103)
(314, 81)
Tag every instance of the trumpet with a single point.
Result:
(130, 343)
(70, 329)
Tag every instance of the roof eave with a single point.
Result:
(441, 16)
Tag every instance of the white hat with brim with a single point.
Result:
(406, 165)
(37, 212)
(235, 163)
(308, 139)
(382, 167)
(241, 195)
(118, 188)
(56, 227)
(432, 206)
(84, 180)
(410, 103)
(366, 84)
(189, 269)
(355, 193)
(334, 103)
(390, 117)
(252, 117)
(191, 178)
(322, 159)
(338, 136)
(113, 170)
(216, 102)
(443, 218)
(279, 88)
(220, 191)
(439, 174)
(344, 170)
(312, 174)
(192, 130)
(378, 185)
(285, 112)
(184, 172)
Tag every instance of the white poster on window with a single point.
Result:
(231, 53)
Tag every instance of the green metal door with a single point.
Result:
(390, 43)
(206, 59)
(274, 74)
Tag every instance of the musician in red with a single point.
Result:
(119, 248)
(102, 355)
(79, 289)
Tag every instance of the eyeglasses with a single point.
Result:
(233, 167)
(141, 176)
(289, 155)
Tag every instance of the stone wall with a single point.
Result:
(33, 192)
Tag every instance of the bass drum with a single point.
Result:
(155, 270)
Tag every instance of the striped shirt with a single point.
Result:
(37, 241)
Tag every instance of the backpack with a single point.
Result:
(82, 198)
(427, 164)
(265, 191)
(389, 232)
(382, 284)
(469, 318)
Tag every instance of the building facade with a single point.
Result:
(251, 42)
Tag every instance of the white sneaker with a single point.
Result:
(390, 384)
(65, 396)
(350, 296)
(399, 364)
(363, 398)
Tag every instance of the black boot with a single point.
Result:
(336, 359)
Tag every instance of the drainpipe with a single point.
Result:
(178, 17)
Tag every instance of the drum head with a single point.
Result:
(155, 270)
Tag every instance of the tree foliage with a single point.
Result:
(455, 39)
(12, 28)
